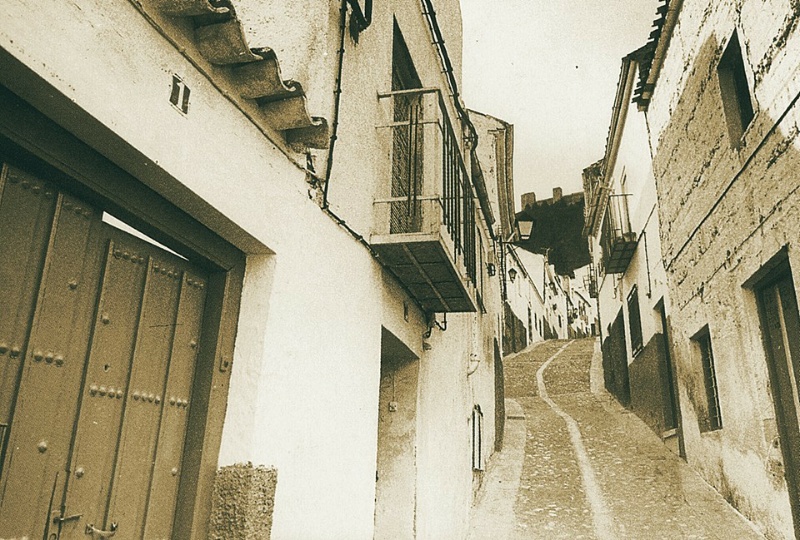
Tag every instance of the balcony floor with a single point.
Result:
(622, 252)
(425, 268)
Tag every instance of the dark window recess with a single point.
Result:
(408, 143)
(530, 325)
(736, 99)
(635, 321)
(3, 433)
(713, 419)
(477, 438)
(179, 96)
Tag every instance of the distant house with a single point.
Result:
(526, 317)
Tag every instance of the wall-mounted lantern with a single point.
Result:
(491, 269)
(525, 229)
(512, 275)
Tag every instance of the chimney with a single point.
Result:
(528, 199)
(557, 192)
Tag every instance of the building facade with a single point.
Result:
(622, 222)
(718, 85)
(527, 321)
(246, 252)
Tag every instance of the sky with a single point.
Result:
(550, 67)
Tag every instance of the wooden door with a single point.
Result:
(781, 326)
(101, 331)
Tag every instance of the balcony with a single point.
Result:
(618, 240)
(590, 282)
(424, 210)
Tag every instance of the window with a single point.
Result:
(530, 324)
(407, 143)
(477, 438)
(713, 420)
(736, 99)
(634, 321)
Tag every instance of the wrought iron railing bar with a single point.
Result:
(402, 123)
(402, 199)
(410, 126)
(445, 182)
(415, 112)
(393, 93)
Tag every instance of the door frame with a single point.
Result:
(674, 399)
(775, 271)
(35, 142)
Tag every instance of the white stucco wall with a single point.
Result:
(633, 162)
(305, 377)
(526, 291)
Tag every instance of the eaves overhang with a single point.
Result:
(253, 72)
(655, 50)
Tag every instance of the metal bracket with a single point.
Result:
(90, 529)
(224, 363)
(58, 520)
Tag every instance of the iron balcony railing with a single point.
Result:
(590, 281)
(428, 189)
(617, 240)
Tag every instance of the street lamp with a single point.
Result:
(512, 275)
(524, 229)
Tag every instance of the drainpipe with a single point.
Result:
(472, 138)
(337, 95)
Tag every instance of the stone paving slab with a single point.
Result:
(648, 491)
(550, 499)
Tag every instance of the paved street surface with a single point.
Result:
(576, 464)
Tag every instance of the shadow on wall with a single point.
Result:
(729, 199)
(515, 333)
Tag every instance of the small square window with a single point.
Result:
(737, 101)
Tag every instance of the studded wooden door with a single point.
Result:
(98, 340)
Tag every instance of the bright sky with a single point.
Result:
(550, 67)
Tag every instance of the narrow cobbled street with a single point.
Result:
(576, 464)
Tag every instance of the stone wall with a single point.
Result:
(726, 208)
(244, 497)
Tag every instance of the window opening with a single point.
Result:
(407, 143)
(713, 419)
(477, 438)
(635, 321)
(736, 99)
